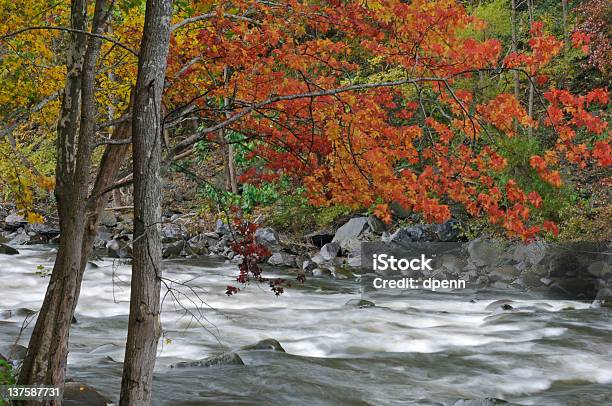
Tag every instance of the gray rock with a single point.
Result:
(504, 273)
(226, 358)
(485, 252)
(174, 250)
(308, 266)
(20, 238)
(221, 228)
(108, 218)
(361, 303)
(529, 255)
(322, 273)
(604, 297)
(267, 237)
(19, 313)
(172, 232)
(479, 402)
(269, 344)
(117, 248)
(14, 221)
(282, 259)
(446, 232)
(600, 269)
(354, 228)
(406, 235)
(7, 250)
(351, 246)
(199, 244)
(330, 251)
(376, 224)
(78, 394)
(499, 304)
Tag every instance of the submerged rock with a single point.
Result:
(269, 344)
(8, 250)
(226, 358)
(361, 303)
(479, 402)
(282, 259)
(79, 394)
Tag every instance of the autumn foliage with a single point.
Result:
(365, 103)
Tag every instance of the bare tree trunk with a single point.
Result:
(45, 362)
(144, 327)
(231, 169)
(531, 85)
(515, 46)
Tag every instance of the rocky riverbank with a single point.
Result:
(583, 271)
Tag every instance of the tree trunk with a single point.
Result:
(144, 323)
(531, 84)
(45, 361)
(515, 46)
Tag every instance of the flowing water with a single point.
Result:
(418, 351)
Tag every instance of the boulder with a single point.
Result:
(174, 250)
(360, 303)
(7, 250)
(79, 394)
(117, 248)
(282, 259)
(446, 232)
(200, 243)
(308, 266)
(108, 218)
(14, 221)
(221, 228)
(376, 225)
(485, 252)
(172, 232)
(226, 358)
(354, 228)
(269, 344)
(330, 251)
(322, 273)
(20, 238)
(399, 211)
(406, 235)
(267, 237)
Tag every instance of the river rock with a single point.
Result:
(20, 238)
(172, 233)
(14, 221)
(282, 259)
(117, 248)
(479, 402)
(485, 252)
(8, 250)
(226, 358)
(19, 312)
(108, 218)
(308, 266)
(447, 231)
(269, 344)
(12, 352)
(268, 237)
(79, 394)
(322, 273)
(354, 228)
(199, 244)
(360, 303)
(406, 235)
(174, 250)
(376, 225)
(221, 228)
(504, 304)
(330, 251)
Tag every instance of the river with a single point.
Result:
(421, 351)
